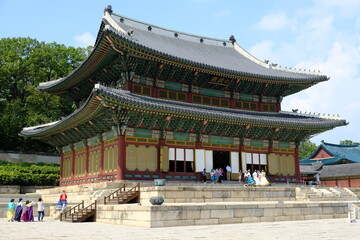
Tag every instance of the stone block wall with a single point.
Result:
(187, 194)
(30, 158)
(217, 213)
(9, 189)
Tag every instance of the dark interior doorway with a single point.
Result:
(221, 159)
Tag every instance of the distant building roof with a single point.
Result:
(341, 170)
(330, 171)
(336, 154)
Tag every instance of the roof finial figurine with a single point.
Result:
(232, 39)
(108, 9)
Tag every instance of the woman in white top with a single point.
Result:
(41, 210)
(255, 177)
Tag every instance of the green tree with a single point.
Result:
(306, 148)
(24, 63)
(348, 142)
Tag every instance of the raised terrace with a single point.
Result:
(199, 204)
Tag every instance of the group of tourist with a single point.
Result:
(256, 178)
(20, 212)
(216, 175)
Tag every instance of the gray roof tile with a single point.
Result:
(211, 52)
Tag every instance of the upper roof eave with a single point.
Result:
(233, 116)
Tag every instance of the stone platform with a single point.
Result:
(187, 214)
(203, 204)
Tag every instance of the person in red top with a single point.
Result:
(63, 199)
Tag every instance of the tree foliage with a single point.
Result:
(24, 63)
(348, 142)
(306, 148)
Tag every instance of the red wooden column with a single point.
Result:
(161, 144)
(87, 159)
(270, 150)
(297, 162)
(121, 158)
(61, 166)
(189, 97)
(101, 157)
(241, 149)
(72, 164)
(232, 103)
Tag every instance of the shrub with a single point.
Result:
(29, 174)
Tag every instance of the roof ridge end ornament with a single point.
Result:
(108, 9)
(232, 39)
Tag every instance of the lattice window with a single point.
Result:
(268, 108)
(80, 165)
(66, 165)
(246, 105)
(177, 96)
(142, 90)
(141, 158)
(211, 101)
(94, 162)
(110, 158)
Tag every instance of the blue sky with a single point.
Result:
(307, 34)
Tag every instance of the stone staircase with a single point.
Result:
(326, 194)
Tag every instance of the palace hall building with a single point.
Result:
(157, 103)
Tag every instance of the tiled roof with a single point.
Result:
(340, 170)
(224, 113)
(307, 169)
(198, 50)
(349, 153)
(206, 112)
(337, 170)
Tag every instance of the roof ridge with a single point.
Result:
(193, 37)
(339, 145)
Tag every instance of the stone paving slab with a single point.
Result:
(327, 229)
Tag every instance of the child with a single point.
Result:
(63, 199)
(212, 176)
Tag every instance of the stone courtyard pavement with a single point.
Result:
(326, 229)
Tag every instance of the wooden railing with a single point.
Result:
(119, 193)
(71, 211)
(84, 212)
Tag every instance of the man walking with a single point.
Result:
(228, 172)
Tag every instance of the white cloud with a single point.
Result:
(85, 40)
(321, 41)
(344, 7)
(263, 51)
(221, 14)
(273, 21)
